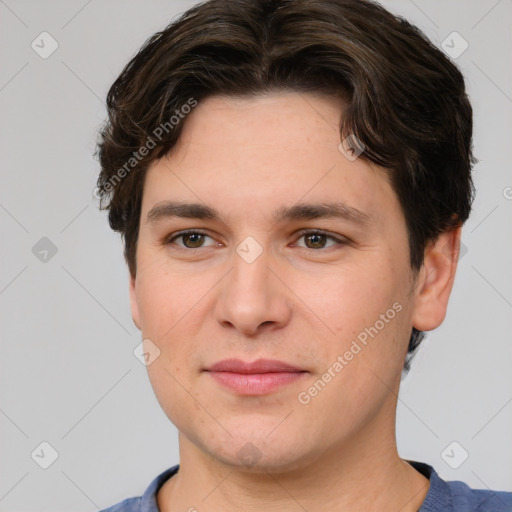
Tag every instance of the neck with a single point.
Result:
(364, 473)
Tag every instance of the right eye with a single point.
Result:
(191, 239)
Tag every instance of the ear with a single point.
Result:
(435, 280)
(133, 303)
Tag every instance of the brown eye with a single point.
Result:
(319, 239)
(316, 240)
(190, 240)
(193, 240)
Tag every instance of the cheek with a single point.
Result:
(365, 309)
(167, 310)
(164, 313)
(162, 294)
(350, 298)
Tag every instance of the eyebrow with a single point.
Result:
(302, 211)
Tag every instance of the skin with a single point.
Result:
(302, 301)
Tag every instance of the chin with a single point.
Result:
(250, 459)
(256, 451)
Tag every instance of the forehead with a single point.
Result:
(259, 118)
(263, 153)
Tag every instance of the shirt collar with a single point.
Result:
(439, 495)
(148, 501)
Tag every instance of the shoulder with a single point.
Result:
(456, 496)
(479, 500)
(128, 505)
(147, 502)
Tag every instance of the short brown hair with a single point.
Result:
(406, 101)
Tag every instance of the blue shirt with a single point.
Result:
(453, 496)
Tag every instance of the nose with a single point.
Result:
(253, 298)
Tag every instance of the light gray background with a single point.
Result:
(68, 373)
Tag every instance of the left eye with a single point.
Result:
(318, 239)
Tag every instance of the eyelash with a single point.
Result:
(339, 241)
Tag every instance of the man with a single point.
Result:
(290, 179)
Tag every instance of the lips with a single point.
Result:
(254, 378)
(259, 366)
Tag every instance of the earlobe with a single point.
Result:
(435, 280)
(133, 303)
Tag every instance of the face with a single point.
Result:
(279, 328)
